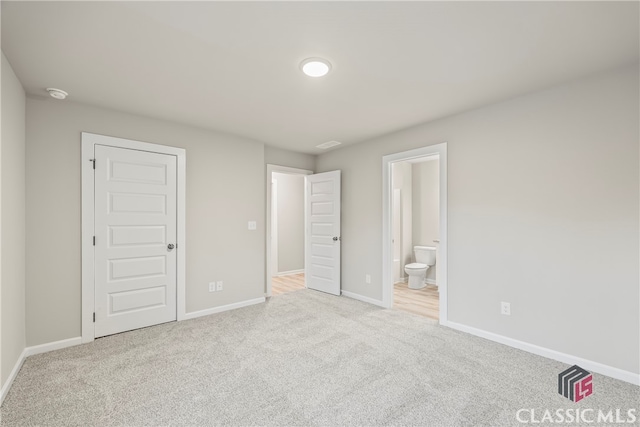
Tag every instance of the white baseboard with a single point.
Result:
(56, 345)
(12, 376)
(30, 351)
(208, 311)
(427, 281)
(288, 273)
(589, 365)
(362, 298)
(70, 342)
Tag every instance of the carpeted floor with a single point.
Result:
(304, 358)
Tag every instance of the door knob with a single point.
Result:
(335, 239)
(171, 246)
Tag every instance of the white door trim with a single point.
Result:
(274, 227)
(89, 140)
(387, 247)
(270, 170)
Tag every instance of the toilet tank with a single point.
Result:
(425, 254)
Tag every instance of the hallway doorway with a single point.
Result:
(285, 229)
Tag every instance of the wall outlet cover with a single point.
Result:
(505, 308)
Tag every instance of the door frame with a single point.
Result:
(270, 170)
(88, 142)
(274, 227)
(439, 150)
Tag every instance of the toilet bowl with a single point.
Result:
(417, 271)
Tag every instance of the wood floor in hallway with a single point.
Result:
(283, 284)
(424, 302)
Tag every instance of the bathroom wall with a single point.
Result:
(401, 178)
(426, 205)
(290, 209)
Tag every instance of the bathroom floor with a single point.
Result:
(283, 284)
(424, 302)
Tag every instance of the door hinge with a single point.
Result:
(94, 317)
(94, 162)
(94, 240)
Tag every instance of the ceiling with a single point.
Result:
(234, 66)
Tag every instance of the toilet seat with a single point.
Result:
(415, 266)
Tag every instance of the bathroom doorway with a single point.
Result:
(285, 230)
(414, 231)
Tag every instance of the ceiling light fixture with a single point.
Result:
(57, 93)
(328, 144)
(315, 67)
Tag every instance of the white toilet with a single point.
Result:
(417, 271)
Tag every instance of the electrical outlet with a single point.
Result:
(252, 225)
(212, 286)
(367, 279)
(219, 285)
(505, 308)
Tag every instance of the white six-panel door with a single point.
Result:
(135, 239)
(322, 251)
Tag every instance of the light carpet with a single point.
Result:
(303, 358)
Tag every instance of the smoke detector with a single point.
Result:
(57, 93)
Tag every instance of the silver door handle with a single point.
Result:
(170, 246)
(335, 239)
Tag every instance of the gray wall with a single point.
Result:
(290, 222)
(426, 204)
(543, 213)
(225, 190)
(12, 221)
(280, 157)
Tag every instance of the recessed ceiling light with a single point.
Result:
(315, 67)
(57, 93)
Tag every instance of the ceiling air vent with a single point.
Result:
(328, 144)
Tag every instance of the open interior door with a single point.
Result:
(322, 223)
